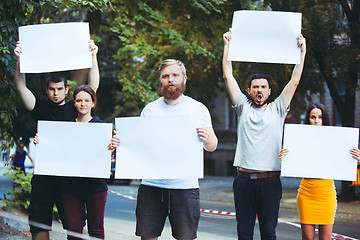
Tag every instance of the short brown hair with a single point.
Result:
(56, 78)
(169, 62)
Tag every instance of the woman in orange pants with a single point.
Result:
(316, 199)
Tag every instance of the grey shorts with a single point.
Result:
(155, 204)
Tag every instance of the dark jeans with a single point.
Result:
(74, 213)
(257, 197)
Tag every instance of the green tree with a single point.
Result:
(15, 121)
(134, 37)
(332, 29)
(142, 34)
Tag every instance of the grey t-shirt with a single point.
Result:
(259, 134)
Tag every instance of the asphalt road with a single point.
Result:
(120, 219)
(215, 194)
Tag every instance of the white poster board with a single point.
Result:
(54, 47)
(265, 36)
(73, 149)
(158, 148)
(320, 152)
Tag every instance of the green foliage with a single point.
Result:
(12, 14)
(94, 4)
(135, 36)
(20, 195)
(332, 29)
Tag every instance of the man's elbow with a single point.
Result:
(296, 83)
(226, 76)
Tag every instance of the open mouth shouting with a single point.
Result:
(259, 97)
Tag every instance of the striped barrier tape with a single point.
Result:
(334, 236)
(218, 212)
(122, 195)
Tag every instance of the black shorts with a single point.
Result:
(155, 204)
(45, 192)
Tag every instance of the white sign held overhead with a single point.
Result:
(265, 36)
(320, 152)
(54, 47)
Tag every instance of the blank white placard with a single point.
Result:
(158, 148)
(73, 149)
(54, 47)
(265, 36)
(320, 152)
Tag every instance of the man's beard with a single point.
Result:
(172, 94)
(260, 105)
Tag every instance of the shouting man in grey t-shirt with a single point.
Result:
(257, 186)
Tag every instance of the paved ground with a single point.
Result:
(220, 189)
(13, 224)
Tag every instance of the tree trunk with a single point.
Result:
(94, 19)
(348, 119)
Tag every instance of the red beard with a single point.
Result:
(172, 93)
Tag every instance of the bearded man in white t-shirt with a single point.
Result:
(177, 199)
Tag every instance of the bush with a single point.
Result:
(20, 195)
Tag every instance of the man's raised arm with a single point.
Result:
(27, 97)
(290, 88)
(93, 75)
(230, 82)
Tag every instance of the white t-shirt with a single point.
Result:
(186, 107)
(259, 134)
